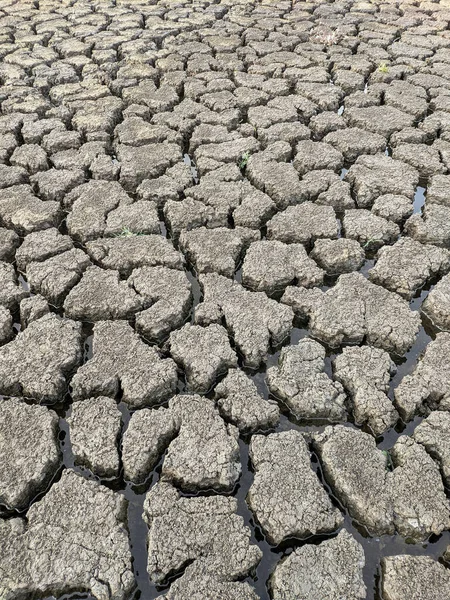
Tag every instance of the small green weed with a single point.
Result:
(244, 160)
(383, 68)
(372, 241)
(126, 232)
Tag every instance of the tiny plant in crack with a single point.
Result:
(244, 160)
(372, 241)
(383, 68)
(126, 232)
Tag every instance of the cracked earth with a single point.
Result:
(224, 300)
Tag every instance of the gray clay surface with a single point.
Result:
(224, 299)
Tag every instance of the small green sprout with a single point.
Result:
(383, 68)
(126, 232)
(372, 241)
(244, 160)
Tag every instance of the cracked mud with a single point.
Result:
(224, 300)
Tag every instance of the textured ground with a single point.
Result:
(224, 300)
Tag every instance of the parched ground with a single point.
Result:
(224, 300)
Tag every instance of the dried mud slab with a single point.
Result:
(303, 224)
(269, 266)
(216, 250)
(62, 546)
(129, 252)
(370, 231)
(41, 245)
(355, 310)
(148, 434)
(37, 362)
(427, 387)
(286, 496)
(432, 226)
(338, 256)
(374, 176)
(102, 295)
(205, 531)
(24, 212)
(393, 207)
(90, 204)
(439, 190)
(11, 293)
(123, 363)
(406, 577)
(55, 277)
(434, 434)
(196, 584)
(254, 321)
(240, 403)
(168, 293)
(332, 569)
(408, 265)
(204, 455)
(9, 241)
(409, 500)
(30, 450)
(365, 372)
(204, 353)
(31, 309)
(437, 304)
(94, 434)
(300, 381)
